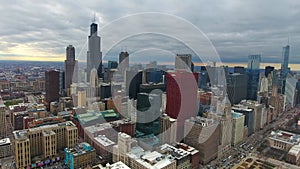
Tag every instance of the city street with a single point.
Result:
(250, 145)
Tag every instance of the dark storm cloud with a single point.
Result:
(236, 28)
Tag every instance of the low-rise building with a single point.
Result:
(283, 140)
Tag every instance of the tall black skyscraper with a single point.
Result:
(94, 54)
(70, 70)
(52, 85)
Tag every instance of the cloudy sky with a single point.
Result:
(231, 29)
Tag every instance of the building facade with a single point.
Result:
(94, 54)
(52, 85)
(45, 142)
(204, 135)
(81, 156)
(70, 68)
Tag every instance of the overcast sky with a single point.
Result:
(40, 30)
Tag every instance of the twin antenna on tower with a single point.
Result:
(94, 18)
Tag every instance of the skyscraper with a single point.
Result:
(2, 118)
(285, 60)
(204, 135)
(52, 85)
(123, 62)
(182, 87)
(70, 69)
(254, 62)
(133, 81)
(183, 61)
(94, 54)
(284, 67)
(236, 85)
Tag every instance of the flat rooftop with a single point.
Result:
(103, 140)
(285, 136)
(117, 165)
(4, 141)
(177, 153)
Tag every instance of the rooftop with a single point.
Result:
(4, 141)
(285, 136)
(117, 165)
(295, 150)
(236, 115)
(177, 153)
(103, 140)
(94, 115)
(79, 149)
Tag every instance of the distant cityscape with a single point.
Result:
(113, 114)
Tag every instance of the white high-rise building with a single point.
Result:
(94, 54)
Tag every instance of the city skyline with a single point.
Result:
(235, 29)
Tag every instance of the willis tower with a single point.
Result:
(94, 54)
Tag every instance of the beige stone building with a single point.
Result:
(44, 142)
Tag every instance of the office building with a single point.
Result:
(138, 158)
(5, 148)
(81, 156)
(183, 61)
(123, 62)
(204, 135)
(253, 82)
(52, 85)
(285, 61)
(124, 145)
(203, 79)
(94, 54)
(70, 68)
(257, 113)
(291, 91)
(237, 128)
(22, 149)
(297, 100)
(18, 119)
(148, 114)
(2, 118)
(112, 64)
(148, 88)
(225, 128)
(249, 116)
(81, 96)
(133, 81)
(153, 76)
(168, 129)
(268, 70)
(45, 142)
(239, 69)
(182, 88)
(183, 158)
(236, 87)
(254, 62)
